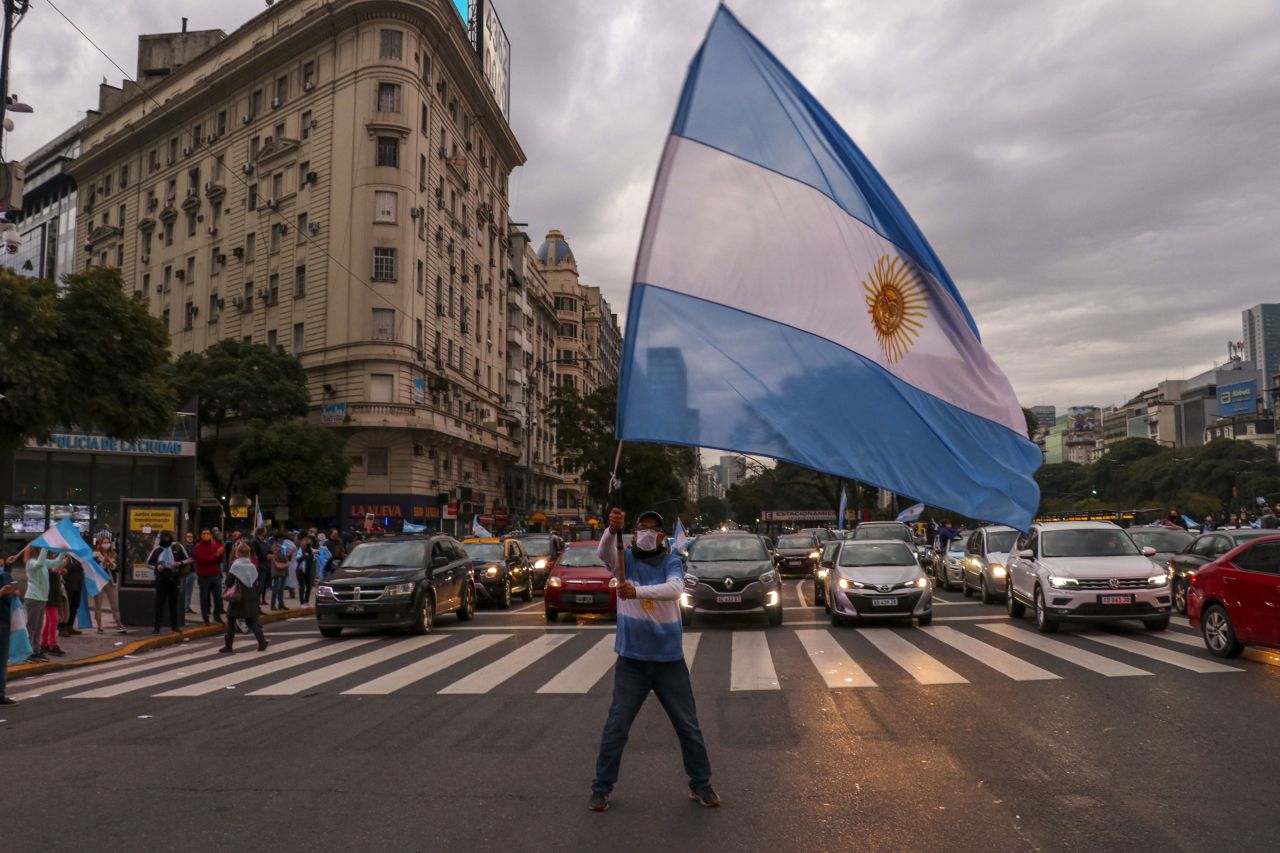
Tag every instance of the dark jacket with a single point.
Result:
(247, 607)
(179, 555)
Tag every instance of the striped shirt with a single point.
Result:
(649, 624)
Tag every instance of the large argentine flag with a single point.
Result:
(64, 536)
(785, 304)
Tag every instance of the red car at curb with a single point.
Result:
(579, 582)
(1235, 600)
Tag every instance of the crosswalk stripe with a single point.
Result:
(1160, 653)
(752, 665)
(334, 671)
(70, 678)
(833, 663)
(1178, 637)
(211, 661)
(921, 666)
(485, 679)
(226, 681)
(581, 675)
(425, 667)
(690, 644)
(1065, 651)
(998, 659)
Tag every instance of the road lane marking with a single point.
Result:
(752, 666)
(1065, 651)
(584, 673)
(690, 643)
(425, 667)
(485, 679)
(212, 661)
(332, 672)
(1178, 659)
(1178, 637)
(227, 681)
(833, 663)
(998, 659)
(528, 606)
(48, 682)
(800, 592)
(922, 667)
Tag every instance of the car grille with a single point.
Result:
(349, 594)
(874, 589)
(718, 584)
(1123, 583)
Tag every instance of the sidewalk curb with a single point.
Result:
(153, 642)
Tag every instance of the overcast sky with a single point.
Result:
(1100, 177)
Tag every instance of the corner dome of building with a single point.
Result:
(554, 249)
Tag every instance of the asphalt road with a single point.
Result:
(958, 739)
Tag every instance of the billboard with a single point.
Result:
(1239, 398)
(495, 56)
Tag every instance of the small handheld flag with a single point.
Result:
(477, 529)
(681, 538)
(844, 508)
(911, 513)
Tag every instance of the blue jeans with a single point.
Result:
(277, 591)
(5, 626)
(188, 586)
(632, 682)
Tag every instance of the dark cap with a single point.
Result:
(648, 515)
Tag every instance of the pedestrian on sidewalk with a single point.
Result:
(650, 649)
(279, 574)
(306, 564)
(289, 548)
(42, 612)
(164, 561)
(73, 585)
(188, 571)
(8, 601)
(262, 562)
(105, 554)
(208, 557)
(242, 599)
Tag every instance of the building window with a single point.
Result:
(308, 74)
(384, 324)
(380, 387)
(248, 297)
(277, 186)
(282, 90)
(153, 159)
(566, 303)
(252, 197)
(173, 150)
(420, 277)
(191, 271)
(384, 206)
(273, 241)
(426, 119)
(255, 103)
(417, 337)
(302, 228)
(168, 233)
(191, 225)
(124, 176)
(299, 281)
(388, 98)
(391, 44)
(297, 338)
(248, 246)
(568, 330)
(384, 264)
(422, 172)
(222, 122)
(304, 125)
(388, 152)
(271, 338)
(273, 289)
(377, 465)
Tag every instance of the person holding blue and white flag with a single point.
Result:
(478, 530)
(843, 508)
(11, 612)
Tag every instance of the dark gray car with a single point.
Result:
(731, 573)
(798, 554)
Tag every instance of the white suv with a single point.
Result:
(1086, 570)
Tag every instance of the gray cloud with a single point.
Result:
(1099, 177)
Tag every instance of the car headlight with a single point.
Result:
(325, 591)
(1158, 580)
(822, 573)
(921, 582)
(769, 577)
(816, 555)
(555, 581)
(492, 571)
(541, 564)
(997, 570)
(1062, 583)
(844, 584)
(398, 590)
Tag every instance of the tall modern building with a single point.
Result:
(1262, 342)
(733, 469)
(47, 225)
(330, 179)
(1045, 416)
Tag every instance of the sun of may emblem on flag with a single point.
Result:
(897, 303)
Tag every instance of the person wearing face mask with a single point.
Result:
(650, 649)
(166, 561)
(208, 558)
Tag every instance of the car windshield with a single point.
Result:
(1239, 536)
(959, 543)
(887, 531)
(1087, 543)
(490, 552)
(537, 546)
(720, 548)
(577, 558)
(1162, 539)
(797, 542)
(877, 554)
(1001, 541)
(395, 555)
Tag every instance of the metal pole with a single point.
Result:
(9, 6)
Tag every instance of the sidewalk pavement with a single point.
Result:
(90, 647)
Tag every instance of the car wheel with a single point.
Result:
(984, 591)
(924, 619)
(1015, 607)
(468, 609)
(504, 598)
(774, 615)
(1157, 623)
(1219, 633)
(426, 615)
(1045, 623)
(1180, 597)
(551, 615)
(527, 595)
(326, 631)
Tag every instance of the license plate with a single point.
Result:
(729, 599)
(884, 602)
(584, 599)
(794, 562)
(354, 608)
(1116, 599)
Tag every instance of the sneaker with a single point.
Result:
(599, 801)
(262, 647)
(57, 651)
(6, 701)
(226, 650)
(706, 796)
(36, 659)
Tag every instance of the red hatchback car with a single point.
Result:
(1235, 600)
(579, 582)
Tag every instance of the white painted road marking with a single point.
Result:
(583, 674)
(833, 663)
(921, 666)
(752, 665)
(484, 680)
(332, 672)
(425, 667)
(228, 680)
(998, 659)
(1065, 651)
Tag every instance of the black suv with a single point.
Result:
(500, 568)
(397, 582)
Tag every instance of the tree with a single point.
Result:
(236, 381)
(1033, 423)
(713, 511)
(304, 461)
(93, 359)
(652, 475)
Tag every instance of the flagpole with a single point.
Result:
(614, 485)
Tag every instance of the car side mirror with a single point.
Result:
(1027, 554)
(439, 561)
(1148, 551)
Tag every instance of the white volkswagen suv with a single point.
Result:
(1086, 570)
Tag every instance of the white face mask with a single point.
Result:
(647, 540)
